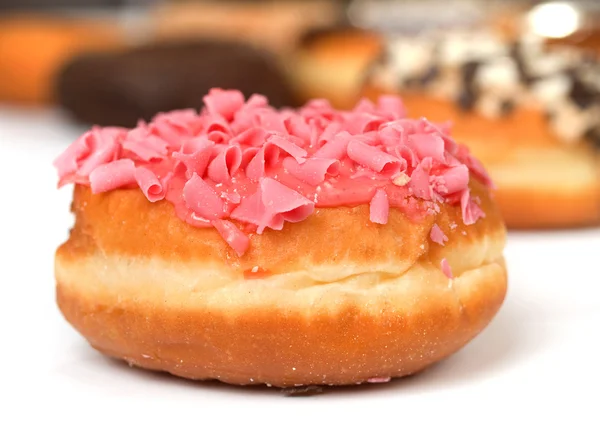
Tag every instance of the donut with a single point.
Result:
(140, 82)
(301, 247)
(33, 48)
(330, 63)
(275, 26)
(530, 113)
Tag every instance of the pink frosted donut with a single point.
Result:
(286, 247)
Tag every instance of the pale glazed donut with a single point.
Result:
(330, 63)
(380, 258)
(530, 114)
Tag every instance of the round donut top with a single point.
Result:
(242, 166)
(483, 72)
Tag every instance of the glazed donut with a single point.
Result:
(287, 248)
(529, 113)
(275, 26)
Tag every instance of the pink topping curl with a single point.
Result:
(240, 165)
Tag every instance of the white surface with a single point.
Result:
(538, 363)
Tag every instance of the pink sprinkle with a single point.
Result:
(224, 103)
(428, 145)
(312, 171)
(175, 125)
(471, 212)
(391, 106)
(289, 145)
(266, 157)
(421, 179)
(112, 175)
(335, 148)
(144, 144)
(150, 185)
(194, 156)
(252, 210)
(252, 137)
(455, 179)
(202, 199)
(232, 235)
(446, 269)
(104, 145)
(226, 164)
(437, 235)
(379, 207)
(215, 123)
(375, 159)
(362, 122)
(329, 133)
(280, 199)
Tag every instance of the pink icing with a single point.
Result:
(202, 199)
(112, 175)
(437, 235)
(224, 104)
(144, 144)
(375, 159)
(94, 148)
(225, 164)
(471, 212)
(242, 166)
(193, 156)
(153, 188)
(312, 171)
(428, 145)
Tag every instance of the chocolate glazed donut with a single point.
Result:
(121, 88)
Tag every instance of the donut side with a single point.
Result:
(334, 299)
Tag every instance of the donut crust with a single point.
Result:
(334, 299)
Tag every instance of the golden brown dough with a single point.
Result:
(334, 299)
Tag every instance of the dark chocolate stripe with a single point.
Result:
(468, 95)
(517, 56)
(593, 136)
(581, 94)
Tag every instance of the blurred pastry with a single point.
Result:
(331, 62)
(121, 88)
(34, 48)
(275, 26)
(530, 113)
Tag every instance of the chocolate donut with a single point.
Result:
(122, 88)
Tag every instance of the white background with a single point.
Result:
(537, 364)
